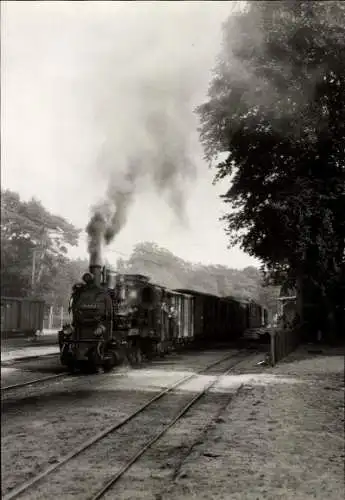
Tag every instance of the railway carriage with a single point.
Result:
(182, 309)
(200, 311)
(213, 317)
(255, 312)
(237, 317)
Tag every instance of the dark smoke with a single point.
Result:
(144, 93)
(161, 149)
(96, 229)
(110, 216)
(121, 196)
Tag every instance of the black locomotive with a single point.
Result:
(113, 318)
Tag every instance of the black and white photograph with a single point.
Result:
(172, 250)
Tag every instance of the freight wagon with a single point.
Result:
(21, 316)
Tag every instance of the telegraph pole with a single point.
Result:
(33, 271)
(35, 265)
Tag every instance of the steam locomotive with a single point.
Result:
(116, 317)
(119, 316)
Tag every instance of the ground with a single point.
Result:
(17, 347)
(261, 433)
(281, 438)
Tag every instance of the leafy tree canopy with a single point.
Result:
(277, 107)
(30, 234)
(165, 268)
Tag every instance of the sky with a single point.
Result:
(73, 110)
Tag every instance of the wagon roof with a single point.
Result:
(196, 292)
(22, 299)
(234, 299)
(178, 292)
(242, 300)
(134, 276)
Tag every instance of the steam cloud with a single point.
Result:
(162, 159)
(144, 97)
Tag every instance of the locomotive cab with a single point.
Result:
(136, 314)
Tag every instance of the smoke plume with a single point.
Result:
(144, 95)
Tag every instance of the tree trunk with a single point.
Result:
(300, 304)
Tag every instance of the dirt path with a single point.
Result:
(281, 438)
(261, 433)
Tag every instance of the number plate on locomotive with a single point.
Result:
(133, 331)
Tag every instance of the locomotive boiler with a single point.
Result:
(89, 341)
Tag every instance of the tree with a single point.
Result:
(70, 272)
(165, 268)
(158, 263)
(277, 108)
(33, 246)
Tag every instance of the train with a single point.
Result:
(21, 316)
(125, 316)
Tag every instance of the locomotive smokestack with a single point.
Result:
(96, 229)
(96, 270)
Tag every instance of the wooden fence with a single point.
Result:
(283, 342)
(54, 318)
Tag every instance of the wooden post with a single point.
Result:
(50, 319)
(61, 317)
(273, 346)
(33, 270)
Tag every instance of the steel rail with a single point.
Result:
(70, 456)
(33, 382)
(152, 441)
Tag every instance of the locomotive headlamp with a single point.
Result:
(133, 294)
(99, 330)
(88, 278)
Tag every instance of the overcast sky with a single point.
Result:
(72, 76)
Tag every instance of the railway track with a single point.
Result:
(17, 363)
(109, 433)
(36, 381)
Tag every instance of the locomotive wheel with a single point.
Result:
(71, 367)
(67, 360)
(135, 356)
(148, 354)
(131, 356)
(138, 356)
(144, 351)
(109, 362)
(88, 367)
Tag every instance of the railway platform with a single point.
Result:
(24, 347)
